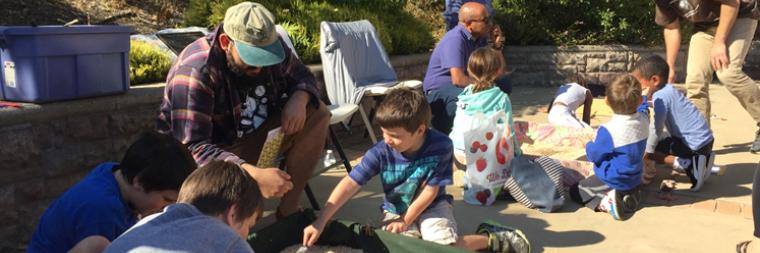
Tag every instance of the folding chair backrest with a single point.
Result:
(352, 59)
(286, 37)
(177, 41)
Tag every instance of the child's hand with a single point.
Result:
(396, 227)
(647, 91)
(311, 234)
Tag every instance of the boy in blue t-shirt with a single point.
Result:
(689, 146)
(110, 199)
(414, 163)
(617, 153)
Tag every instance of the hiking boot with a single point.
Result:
(755, 145)
(503, 238)
(698, 172)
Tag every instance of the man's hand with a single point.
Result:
(396, 227)
(719, 56)
(294, 115)
(272, 182)
(671, 75)
(311, 233)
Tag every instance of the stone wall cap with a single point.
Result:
(137, 95)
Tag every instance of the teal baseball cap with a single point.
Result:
(252, 28)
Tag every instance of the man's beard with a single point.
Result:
(234, 68)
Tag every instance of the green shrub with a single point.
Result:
(147, 63)
(399, 31)
(573, 22)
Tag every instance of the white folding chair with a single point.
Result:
(355, 65)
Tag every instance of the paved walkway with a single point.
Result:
(712, 220)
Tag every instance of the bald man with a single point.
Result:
(451, 12)
(446, 75)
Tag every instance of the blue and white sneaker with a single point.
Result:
(698, 172)
(710, 166)
(611, 204)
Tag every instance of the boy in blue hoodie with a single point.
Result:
(617, 153)
(688, 143)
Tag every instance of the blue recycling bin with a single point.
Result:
(53, 63)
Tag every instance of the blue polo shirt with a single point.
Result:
(452, 51)
(403, 177)
(93, 206)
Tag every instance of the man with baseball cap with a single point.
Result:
(226, 91)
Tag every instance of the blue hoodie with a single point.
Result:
(618, 150)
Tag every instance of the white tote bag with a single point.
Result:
(489, 153)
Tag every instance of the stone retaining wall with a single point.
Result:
(545, 65)
(47, 148)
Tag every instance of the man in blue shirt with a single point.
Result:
(446, 75)
(108, 201)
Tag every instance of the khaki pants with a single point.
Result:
(302, 150)
(699, 71)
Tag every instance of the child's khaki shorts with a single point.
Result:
(436, 224)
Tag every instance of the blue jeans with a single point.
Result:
(443, 105)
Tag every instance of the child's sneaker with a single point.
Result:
(698, 172)
(630, 203)
(680, 164)
(611, 204)
(710, 165)
(503, 238)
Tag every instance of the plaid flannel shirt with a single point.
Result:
(201, 105)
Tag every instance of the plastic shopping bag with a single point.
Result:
(489, 153)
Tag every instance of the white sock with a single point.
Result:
(681, 163)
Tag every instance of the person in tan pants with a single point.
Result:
(723, 32)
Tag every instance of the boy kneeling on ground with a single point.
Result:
(688, 143)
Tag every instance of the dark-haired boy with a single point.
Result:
(216, 206)
(110, 199)
(414, 163)
(689, 146)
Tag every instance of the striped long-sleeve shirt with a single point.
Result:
(202, 106)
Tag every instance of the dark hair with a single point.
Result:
(485, 66)
(653, 65)
(624, 94)
(579, 79)
(218, 185)
(403, 107)
(157, 161)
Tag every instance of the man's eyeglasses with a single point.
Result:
(486, 20)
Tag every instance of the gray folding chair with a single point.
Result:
(355, 65)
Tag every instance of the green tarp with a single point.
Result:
(289, 232)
